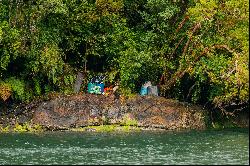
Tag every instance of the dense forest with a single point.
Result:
(194, 50)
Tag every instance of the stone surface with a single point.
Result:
(147, 111)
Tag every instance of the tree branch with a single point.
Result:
(198, 25)
(182, 23)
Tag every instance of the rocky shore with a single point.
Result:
(82, 110)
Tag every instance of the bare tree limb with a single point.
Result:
(180, 41)
(198, 25)
(182, 23)
(190, 89)
(181, 73)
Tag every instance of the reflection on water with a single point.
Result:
(190, 147)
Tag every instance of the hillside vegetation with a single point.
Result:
(195, 51)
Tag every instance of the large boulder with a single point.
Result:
(147, 111)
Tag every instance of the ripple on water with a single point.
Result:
(206, 147)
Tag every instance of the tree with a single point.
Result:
(216, 51)
(197, 51)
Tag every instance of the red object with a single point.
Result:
(108, 90)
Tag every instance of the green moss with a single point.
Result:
(128, 121)
(127, 124)
(38, 127)
(217, 125)
(78, 129)
(106, 128)
(102, 128)
(4, 129)
(27, 127)
(126, 128)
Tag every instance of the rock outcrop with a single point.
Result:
(147, 111)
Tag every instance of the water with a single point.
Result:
(189, 147)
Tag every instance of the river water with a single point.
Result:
(230, 146)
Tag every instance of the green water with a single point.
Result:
(147, 147)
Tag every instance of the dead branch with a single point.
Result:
(180, 41)
(198, 25)
(182, 23)
(220, 46)
(180, 74)
(190, 89)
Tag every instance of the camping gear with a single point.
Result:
(153, 90)
(115, 88)
(91, 87)
(144, 90)
(147, 84)
(97, 89)
(107, 91)
(96, 85)
(101, 85)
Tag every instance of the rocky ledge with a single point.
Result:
(81, 110)
(148, 111)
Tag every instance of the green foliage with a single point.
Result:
(192, 48)
(37, 88)
(18, 88)
(225, 64)
(9, 44)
